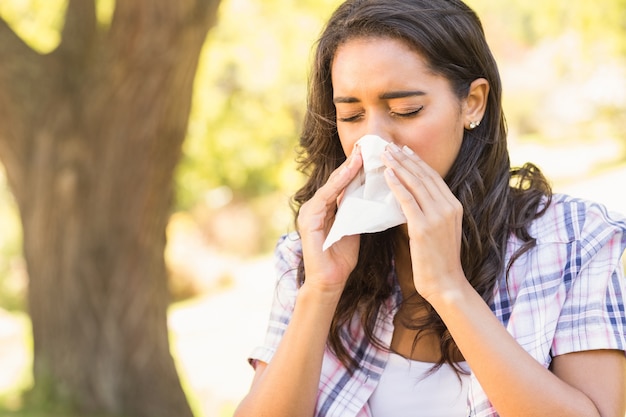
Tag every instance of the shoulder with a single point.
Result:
(569, 219)
(565, 294)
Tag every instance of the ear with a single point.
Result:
(475, 103)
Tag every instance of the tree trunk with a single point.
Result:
(90, 136)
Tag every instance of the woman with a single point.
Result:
(495, 298)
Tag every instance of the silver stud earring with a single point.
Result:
(474, 125)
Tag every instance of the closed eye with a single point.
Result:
(407, 114)
(349, 119)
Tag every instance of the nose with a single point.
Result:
(379, 126)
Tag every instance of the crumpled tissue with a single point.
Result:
(368, 205)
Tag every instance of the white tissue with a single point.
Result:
(368, 205)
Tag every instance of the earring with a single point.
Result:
(474, 125)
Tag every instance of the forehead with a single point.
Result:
(378, 60)
(390, 45)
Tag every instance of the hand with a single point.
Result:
(434, 220)
(328, 270)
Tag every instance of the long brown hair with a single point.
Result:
(497, 201)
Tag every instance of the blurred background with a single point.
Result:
(563, 66)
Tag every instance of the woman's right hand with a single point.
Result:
(295, 368)
(328, 270)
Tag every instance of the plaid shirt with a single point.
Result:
(564, 295)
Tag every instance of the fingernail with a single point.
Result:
(393, 147)
(407, 150)
(392, 175)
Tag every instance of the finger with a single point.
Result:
(418, 177)
(426, 217)
(341, 177)
(446, 205)
(409, 204)
(317, 213)
(408, 173)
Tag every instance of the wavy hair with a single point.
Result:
(497, 200)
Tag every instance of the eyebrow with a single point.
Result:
(385, 96)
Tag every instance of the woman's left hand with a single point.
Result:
(434, 220)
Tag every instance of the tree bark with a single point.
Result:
(90, 135)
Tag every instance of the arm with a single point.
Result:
(588, 383)
(605, 365)
(288, 385)
(514, 381)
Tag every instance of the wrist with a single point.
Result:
(455, 295)
(325, 295)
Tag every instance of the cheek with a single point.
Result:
(450, 152)
(438, 146)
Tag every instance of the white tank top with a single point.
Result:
(406, 390)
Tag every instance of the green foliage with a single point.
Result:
(250, 98)
(104, 11)
(37, 22)
(563, 66)
(251, 82)
(532, 21)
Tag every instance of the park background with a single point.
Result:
(563, 67)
